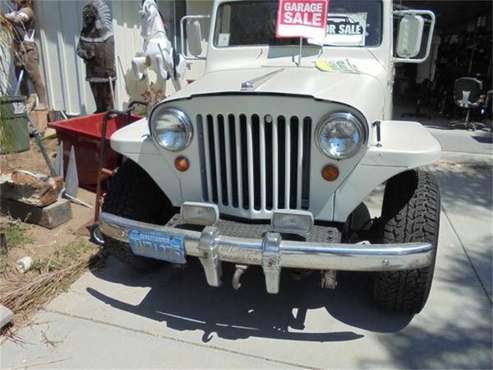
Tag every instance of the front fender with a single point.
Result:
(404, 145)
(134, 142)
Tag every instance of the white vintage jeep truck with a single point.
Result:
(267, 158)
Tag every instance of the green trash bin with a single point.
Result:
(14, 127)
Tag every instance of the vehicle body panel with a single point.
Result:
(292, 90)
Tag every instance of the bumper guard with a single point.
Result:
(273, 253)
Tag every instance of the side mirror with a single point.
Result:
(410, 36)
(413, 26)
(194, 36)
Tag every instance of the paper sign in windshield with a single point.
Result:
(347, 29)
(302, 18)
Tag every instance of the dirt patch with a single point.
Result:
(59, 255)
(31, 160)
(26, 292)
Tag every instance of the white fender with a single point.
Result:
(404, 145)
(134, 142)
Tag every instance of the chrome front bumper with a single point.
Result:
(273, 253)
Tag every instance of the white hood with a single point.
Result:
(355, 89)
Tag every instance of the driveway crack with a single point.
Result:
(468, 257)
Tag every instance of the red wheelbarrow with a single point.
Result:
(85, 134)
(89, 135)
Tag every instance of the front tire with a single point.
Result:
(410, 213)
(133, 194)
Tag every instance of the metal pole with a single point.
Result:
(39, 142)
(301, 51)
(99, 178)
(110, 80)
(18, 83)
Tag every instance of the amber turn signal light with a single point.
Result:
(330, 172)
(182, 164)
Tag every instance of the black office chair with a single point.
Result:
(467, 95)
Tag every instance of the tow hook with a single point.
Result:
(240, 269)
(328, 279)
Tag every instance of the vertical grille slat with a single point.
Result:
(211, 162)
(257, 159)
(293, 180)
(244, 162)
(223, 147)
(269, 165)
(300, 166)
(281, 144)
(239, 166)
(251, 190)
(255, 163)
(204, 166)
(305, 187)
(217, 150)
(275, 165)
(263, 182)
(233, 159)
(227, 144)
(287, 164)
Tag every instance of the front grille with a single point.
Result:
(255, 163)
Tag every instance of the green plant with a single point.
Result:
(16, 234)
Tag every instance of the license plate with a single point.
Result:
(158, 245)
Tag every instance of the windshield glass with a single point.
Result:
(356, 23)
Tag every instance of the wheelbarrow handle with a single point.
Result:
(102, 146)
(129, 109)
(133, 103)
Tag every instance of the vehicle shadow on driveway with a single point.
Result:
(182, 299)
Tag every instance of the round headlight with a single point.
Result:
(340, 135)
(171, 129)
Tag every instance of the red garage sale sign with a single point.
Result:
(302, 18)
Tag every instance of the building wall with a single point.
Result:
(7, 68)
(59, 23)
(7, 77)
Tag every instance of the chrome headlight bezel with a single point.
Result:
(360, 126)
(181, 118)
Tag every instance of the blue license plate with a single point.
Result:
(157, 245)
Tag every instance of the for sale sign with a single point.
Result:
(302, 18)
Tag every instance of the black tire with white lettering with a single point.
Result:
(133, 194)
(410, 213)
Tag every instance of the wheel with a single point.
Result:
(133, 194)
(410, 213)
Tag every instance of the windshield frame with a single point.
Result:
(215, 25)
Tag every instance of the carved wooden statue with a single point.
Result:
(97, 48)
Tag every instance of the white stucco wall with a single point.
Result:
(7, 76)
(59, 24)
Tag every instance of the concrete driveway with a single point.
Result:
(116, 318)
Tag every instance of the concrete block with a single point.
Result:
(50, 216)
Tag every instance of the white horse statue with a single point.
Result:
(158, 52)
